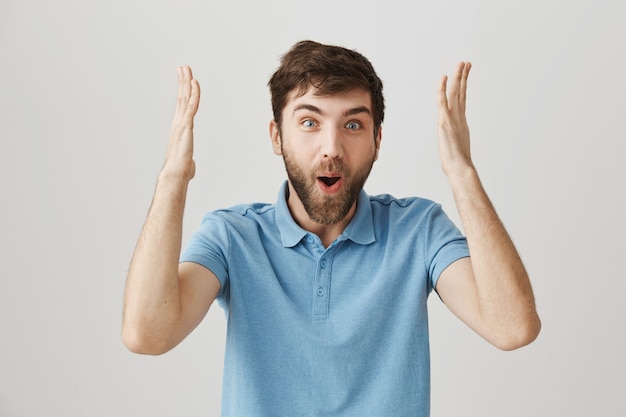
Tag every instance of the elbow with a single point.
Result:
(520, 335)
(139, 343)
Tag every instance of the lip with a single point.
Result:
(330, 189)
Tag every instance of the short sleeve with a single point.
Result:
(443, 243)
(209, 247)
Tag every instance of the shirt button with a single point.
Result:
(309, 239)
(320, 292)
(323, 263)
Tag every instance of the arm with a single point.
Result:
(164, 302)
(490, 291)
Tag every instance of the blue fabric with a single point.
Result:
(341, 331)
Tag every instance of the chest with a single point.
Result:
(346, 281)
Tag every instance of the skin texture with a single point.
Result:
(164, 302)
(490, 291)
(326, 136)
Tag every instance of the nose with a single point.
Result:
(331, 147)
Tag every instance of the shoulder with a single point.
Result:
(243, 213)
(401, 215)
(393, 205)
(242, 221)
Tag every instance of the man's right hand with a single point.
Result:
(179, 160)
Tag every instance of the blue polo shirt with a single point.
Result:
(337, 331)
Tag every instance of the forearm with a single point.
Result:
(152, 298)
(152, 320)
(491, 292)
(505, 297)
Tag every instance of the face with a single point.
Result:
(328, 146)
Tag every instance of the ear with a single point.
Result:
(377, 140)
(275, 137)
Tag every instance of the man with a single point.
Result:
(325, 291)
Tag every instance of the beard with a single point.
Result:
(323, 208)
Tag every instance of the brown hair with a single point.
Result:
(330, 69)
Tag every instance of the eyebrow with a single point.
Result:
(315, 109)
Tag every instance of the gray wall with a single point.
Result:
(87, 91)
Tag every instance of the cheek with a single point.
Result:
(364, 153)
(297, 158)
(301, 151)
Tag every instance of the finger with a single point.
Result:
(456, 85)
(463, 85)
(443, 97)
(180, 93)
(194, 98)
(185, 84)
(181, 81)
(188, 73)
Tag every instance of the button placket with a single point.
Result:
(321, 288)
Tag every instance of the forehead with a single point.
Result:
(329, 103)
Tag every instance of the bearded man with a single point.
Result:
(325, 291)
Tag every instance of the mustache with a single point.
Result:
(334, 165)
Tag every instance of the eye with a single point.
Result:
(308, 123)
(353, 125)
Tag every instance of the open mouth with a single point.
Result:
(329, 181)
(329, 185)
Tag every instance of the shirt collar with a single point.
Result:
(360, 230)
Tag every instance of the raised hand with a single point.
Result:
(454, 137)
(490, 290)
(179, 159)
(161, 306)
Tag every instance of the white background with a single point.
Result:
(87, 91)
